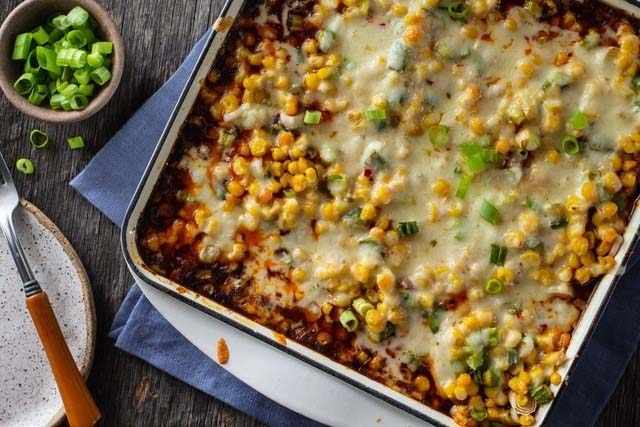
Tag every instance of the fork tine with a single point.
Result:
(4, 171)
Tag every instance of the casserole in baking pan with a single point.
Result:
(429, 200)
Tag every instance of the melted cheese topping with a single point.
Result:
(509, 88)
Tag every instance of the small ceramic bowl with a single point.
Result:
(28, 15)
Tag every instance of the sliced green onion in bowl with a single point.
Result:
(25, 166)
(61, 55)
(76, 142)
(38, 138)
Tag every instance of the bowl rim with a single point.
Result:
(106, 26)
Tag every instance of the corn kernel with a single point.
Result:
(291, 105)
(258, 147)
(628, 179)
(385, 280)
(298, 274)
(368, 212)
(235, 188)
(555, 378)
(240, 166)
(579, 245)
(312, 81)
(440, 187)
(422, 383)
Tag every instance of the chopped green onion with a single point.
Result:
(578, 120)
(68, 90)
(389, 330)
(47, 59)
(79, 102)
(95, 60)
(491, 377)
(559, 223)
(407, 228)
(512, 357)
(375, 114)
(40, 36)
(353, 218)
(490, 155)
(493, 286)
(570, 145)
(312, 117)
(76, 142)
(22, 47)
(77, 17)
(61, 22)
(620, 201)
(326, 39)
(25, 166)
(56, 101)
(38, 138)
(362, 306)
(478, 414)
(546, 85)
(561, 79)
(339, 178)
(295, 88)
(85, 89)
(458, 10)
(475, 360)
(349, 320)
(531, 203)
(71, 57)
(498, 254)
(76, 38)
(473, 155)
(489, 212)
(434, 318)
(541, 394)
(35, 97)
(31, 65)
(82, 75)
(591, 40)
(463, 187)
(225, 139)
(103, 48)
(287, 193)
(25, 83)
(438, 134)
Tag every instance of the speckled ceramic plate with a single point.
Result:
(28, 391)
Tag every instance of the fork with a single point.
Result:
(79, 406)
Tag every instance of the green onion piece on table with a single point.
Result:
(570, 145)
(312, 117)
(349, 320)
(463, 187)
(458, 10)
(493, 286)
(38, 138)
(76, 142)
(25, 166)
(438, 134)
(489, 212)
(22, 47)
(362, 306)
(498, 254)
(407, 228)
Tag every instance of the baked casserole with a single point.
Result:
(425, 192)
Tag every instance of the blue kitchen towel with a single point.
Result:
(109, 182)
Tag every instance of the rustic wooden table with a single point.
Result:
(157, 35)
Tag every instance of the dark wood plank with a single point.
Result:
(157, 34)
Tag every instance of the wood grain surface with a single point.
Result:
(157, 34)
